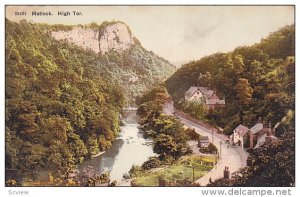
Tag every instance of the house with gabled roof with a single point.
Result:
(255, 136)
(239, 135)
(262, 133)
(208, 96)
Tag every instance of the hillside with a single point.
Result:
(63, 99)
(121, 57)
(256, 81)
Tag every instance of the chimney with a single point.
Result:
(269, 133)
(226, 173)
(259, 120)
(251, 140)
(269, 130)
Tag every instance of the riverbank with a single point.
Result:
(130, 148)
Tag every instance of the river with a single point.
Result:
(130, 148)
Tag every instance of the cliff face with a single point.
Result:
(114, 36)
(122, 59)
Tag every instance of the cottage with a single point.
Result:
(253, 137)
(239, 135)
(264, 138)
(203, 141)
(209, 97)
(266, 135)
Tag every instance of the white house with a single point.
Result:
(238, 136)
(209, 97)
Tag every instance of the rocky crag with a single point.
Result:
(121, 56)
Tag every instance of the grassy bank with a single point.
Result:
(181, 170)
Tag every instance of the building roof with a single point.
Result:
(256, 128)
(241, 129)
(204, 90)
(261, 139)
(215, 101)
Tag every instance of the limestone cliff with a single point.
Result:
(122, 59)
(112, 36)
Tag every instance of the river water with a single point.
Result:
(130, 148)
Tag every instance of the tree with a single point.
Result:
(196, 109)
(77, 146)
(92, 143)
(134, 171)
(164, 144)
(244, 91)
(238, 65)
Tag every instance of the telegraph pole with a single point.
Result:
(193, 173)
(220, 148)
(175, 143)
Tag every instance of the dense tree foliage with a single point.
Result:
(63, 101)
(167, 132)
(196, 109)
(59, 109)
(152, 162)
(256, 81)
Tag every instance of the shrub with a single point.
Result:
(166, 159)
(210, 149)
(135, 171)
(152, 162)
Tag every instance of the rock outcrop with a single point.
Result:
(113, 36)
(123, 60)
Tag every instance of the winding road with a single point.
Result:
(234, 158)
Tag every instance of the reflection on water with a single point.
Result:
(129, 149)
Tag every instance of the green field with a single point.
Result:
(181, 170)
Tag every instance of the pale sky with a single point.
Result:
(177, 33)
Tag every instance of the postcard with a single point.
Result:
(150, 96)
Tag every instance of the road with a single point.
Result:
(234, 158)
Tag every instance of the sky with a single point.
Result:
(177, 33)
